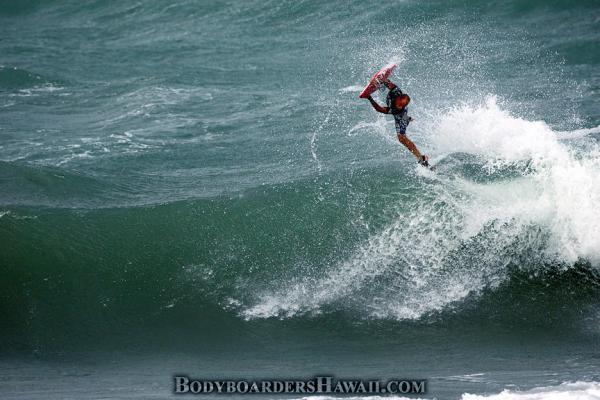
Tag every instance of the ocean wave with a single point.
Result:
(462, 235)
(168, 159)
(25, 82)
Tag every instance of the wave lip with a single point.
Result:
(562, 181)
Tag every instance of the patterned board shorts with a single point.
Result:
(401, 121)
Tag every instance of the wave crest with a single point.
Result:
(507, 193)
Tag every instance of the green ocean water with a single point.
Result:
(196, 187)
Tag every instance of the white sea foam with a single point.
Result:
(561, 193)
(565, 391)
(37, 90)
(578, 133)
(353, 88)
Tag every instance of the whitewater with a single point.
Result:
(535, 197)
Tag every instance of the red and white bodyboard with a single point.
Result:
(375, 82)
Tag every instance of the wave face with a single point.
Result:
(206, 168)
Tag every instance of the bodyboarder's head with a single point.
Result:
(401, 101)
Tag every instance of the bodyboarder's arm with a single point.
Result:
(377, 107)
